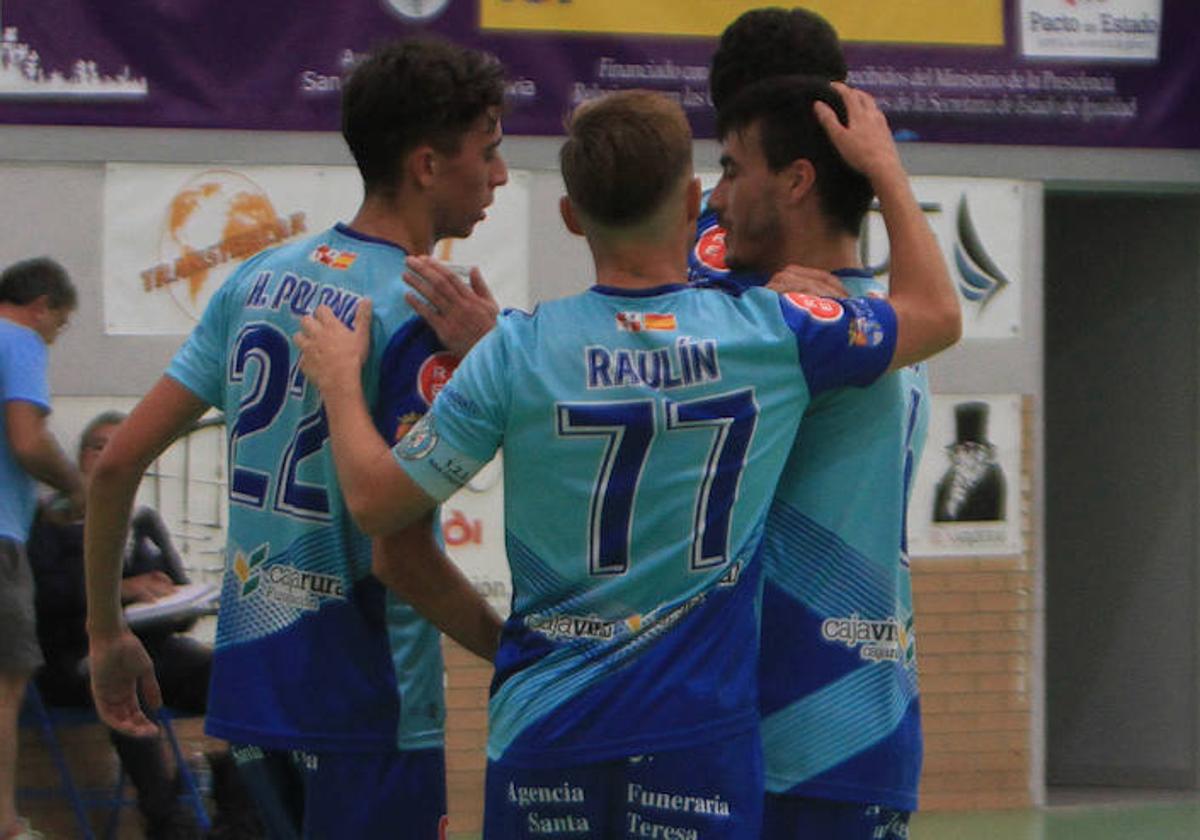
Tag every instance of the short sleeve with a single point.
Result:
(465, 425)
(841, 342)
(199, 365)
(24, 374)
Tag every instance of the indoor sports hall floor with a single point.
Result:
(1074, 815)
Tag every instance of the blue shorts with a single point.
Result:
(312, 796)
(712, 792)
(801, 817)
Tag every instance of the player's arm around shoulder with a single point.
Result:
(378, 493)
(928, 315)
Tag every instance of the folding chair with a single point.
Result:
(34, 713)
(47, 719)
(192, 792)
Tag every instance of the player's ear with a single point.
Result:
(40, 306)
(422, 165)
(567, 210)
(801, 178)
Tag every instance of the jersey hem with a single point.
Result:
(422, 741)
(330, 742)
(581, 754)
(899, 800)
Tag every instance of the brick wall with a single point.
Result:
(975, 621)
(973, 641)
(467, 678)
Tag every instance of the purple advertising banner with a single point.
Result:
(1118, 73)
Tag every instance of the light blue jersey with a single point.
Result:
(838, 671)
(311, 651)
(23, 360)
(643, 435)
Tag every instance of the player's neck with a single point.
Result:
(823, 250)
(640, 267)
(407, 225)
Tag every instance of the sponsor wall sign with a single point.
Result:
(1105, 30)
(173, 234)
(980, 225)
(966, 497)
(1066, 72)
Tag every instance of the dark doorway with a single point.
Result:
(1122, 287)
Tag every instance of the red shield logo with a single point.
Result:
(710, 248)
(435, 372)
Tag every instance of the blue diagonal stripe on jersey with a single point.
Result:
(538, 580)
(572, 669)
(825, 728)
(820, 570)
(538, 694)
(536, 577)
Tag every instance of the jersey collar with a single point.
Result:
(616, 291)
(351, 233)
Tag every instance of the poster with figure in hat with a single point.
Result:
(966, 493)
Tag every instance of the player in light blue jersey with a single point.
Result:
(644, 424)
(327, 684)
(838, 676)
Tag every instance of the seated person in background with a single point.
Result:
(153, 569)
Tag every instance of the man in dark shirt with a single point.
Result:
(153, 569)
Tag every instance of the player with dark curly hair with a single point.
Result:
(774, 42)
(840, 712)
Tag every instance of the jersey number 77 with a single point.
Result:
(629, 429)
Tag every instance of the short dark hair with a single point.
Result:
(624, 154)
(410, 92)
(104, 418)
(24, 282)
(782, 108)
(774, 42)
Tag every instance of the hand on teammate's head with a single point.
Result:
(865, 141)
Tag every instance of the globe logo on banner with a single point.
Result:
(417, 9)
(216, 220)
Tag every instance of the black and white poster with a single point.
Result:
(966, 495)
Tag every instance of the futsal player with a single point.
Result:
(327, 685)
(644, 424)
(838, 671)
